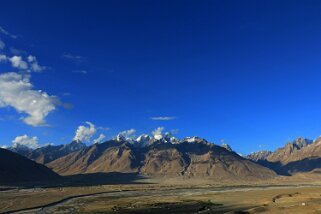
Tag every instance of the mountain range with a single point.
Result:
(190, 157)
(166, 156)
(153, 156)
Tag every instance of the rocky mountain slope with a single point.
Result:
(112, 156)
(15, 168)
(161, 156)
(290, 152)
(20, 149)
(259, 156)
(301, 155)
(49, 153)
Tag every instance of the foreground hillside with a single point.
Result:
(15, 168)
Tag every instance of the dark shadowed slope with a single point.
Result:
(15, 168)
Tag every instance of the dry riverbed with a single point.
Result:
(164, 199)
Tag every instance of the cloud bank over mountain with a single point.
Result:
(25, 140)
(85, 133)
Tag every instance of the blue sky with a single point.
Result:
(247, 72)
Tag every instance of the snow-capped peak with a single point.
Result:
(191, 139)
(169, 137)
(143, 138)
(227, 147)
(194, 139)
(120, 137)
(158, 136)
(157, 133)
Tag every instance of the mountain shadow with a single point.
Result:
(275, 166)
(305, 165)
(100, 178)
(80, 180)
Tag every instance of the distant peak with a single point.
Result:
(194, 139)
(143, 138)
(20, 146)
(260, 155)
(76, 141)
(301, 142)
(120, 138)
(169, 137)
(227, 147)
(158, 136)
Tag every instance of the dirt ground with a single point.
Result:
(278, 196)
(287, 200)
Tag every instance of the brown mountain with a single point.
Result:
(259, 156)
(189, 158)
(49, 153)
(111, 156)
(20, 149)
(15, 168)
(301, 155)
(290, 152)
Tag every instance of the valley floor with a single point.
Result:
(276, 196)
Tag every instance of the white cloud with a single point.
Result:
(31, 58)
(2, 45)
(3, 58)
(25, 140)
(17, 62)
(103, 128)
(157, 133)
(127, 133)
(162, 118)
(73, 57)
(99, 139)
(80, 71)
(3, 31)
(17, 91)
(34, 64)
(4, 146)
(85, 133)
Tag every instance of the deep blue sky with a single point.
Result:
(248, 72)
